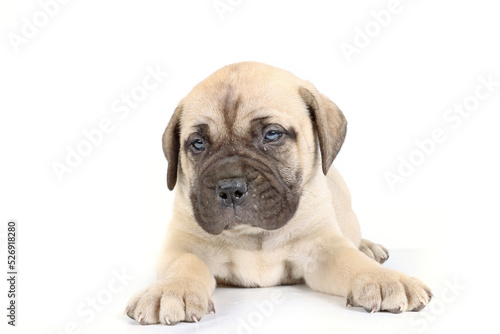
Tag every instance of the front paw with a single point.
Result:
(388, 290)
(375, 251)
(170, 302)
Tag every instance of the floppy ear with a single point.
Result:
(329, 122)
(171, 146)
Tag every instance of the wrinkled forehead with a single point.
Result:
(231, 109)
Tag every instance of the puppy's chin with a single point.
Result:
(238, 219)
(235, 229)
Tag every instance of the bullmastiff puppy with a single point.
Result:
(257, 203)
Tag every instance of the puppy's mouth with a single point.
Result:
(236, 218)
(233, 221)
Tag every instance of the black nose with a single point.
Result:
(231, 191)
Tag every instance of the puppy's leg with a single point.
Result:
(182, 293)
(374, 251)
(343, 270)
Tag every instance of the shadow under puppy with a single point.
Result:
(258, 204)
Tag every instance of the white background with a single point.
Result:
(110, 213)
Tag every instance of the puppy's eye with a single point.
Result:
(198, 145)
(272, 135)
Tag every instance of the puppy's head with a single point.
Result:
(244, 143)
